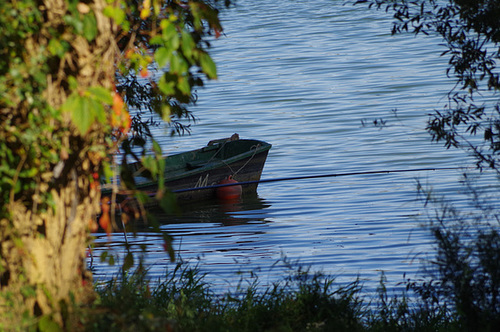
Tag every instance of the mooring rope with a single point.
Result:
(316, 177)
(256, 148)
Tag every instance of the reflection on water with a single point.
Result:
(224, 212)
(210, 218)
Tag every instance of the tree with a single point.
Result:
(67, 70)
(470, 120)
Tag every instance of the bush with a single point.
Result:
(464, 277)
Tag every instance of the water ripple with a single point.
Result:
(303, 75)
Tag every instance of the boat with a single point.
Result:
(242, 159)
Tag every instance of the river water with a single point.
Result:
(303, 76)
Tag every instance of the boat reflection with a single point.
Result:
(225, 212)
(201, 229)
(249, 208)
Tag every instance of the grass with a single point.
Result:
(302, 301)
(184, 302)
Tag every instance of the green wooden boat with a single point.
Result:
(243, 159)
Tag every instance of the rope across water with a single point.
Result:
(316, 177)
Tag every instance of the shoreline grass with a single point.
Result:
(302, 301)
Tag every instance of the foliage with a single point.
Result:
(301, 301)
(179, 49)
(184, 302)
(28, 150)
(465, 274)
(471, 32)
(168, 40)
(68, 69)
(402, 312)
(165, 59)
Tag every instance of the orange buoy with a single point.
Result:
(229, 192)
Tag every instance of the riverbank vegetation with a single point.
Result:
(459, 297)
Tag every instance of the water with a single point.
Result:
(303, 75)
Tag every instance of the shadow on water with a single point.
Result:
(250, 208)
(200, 229)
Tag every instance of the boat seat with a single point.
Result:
(195, 164)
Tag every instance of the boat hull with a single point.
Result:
(242, 159)
(250, 170)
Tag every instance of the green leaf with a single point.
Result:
(97, 110)
(170, 34)
(126, 175)
(128, 262)
(188, 44)
(28, 291)
(175, 65)
(81, 114)
(76, 23)
(142, 197)
(117, 14)
(103, 256)
(166, 86)
(168, 203)
(99, 95)
(184, 86)
(156, 40)
(157, 149)
(70, 103)
(47, 324)
(162, 56)
(73, 83)
(107, 171)
(106, 256)
(102, 94)
(28, 173)
(161, 174)
(89, 26)
(167, 239)
(149, 162)
(166, 113)
(57, 47)
(208, 66)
